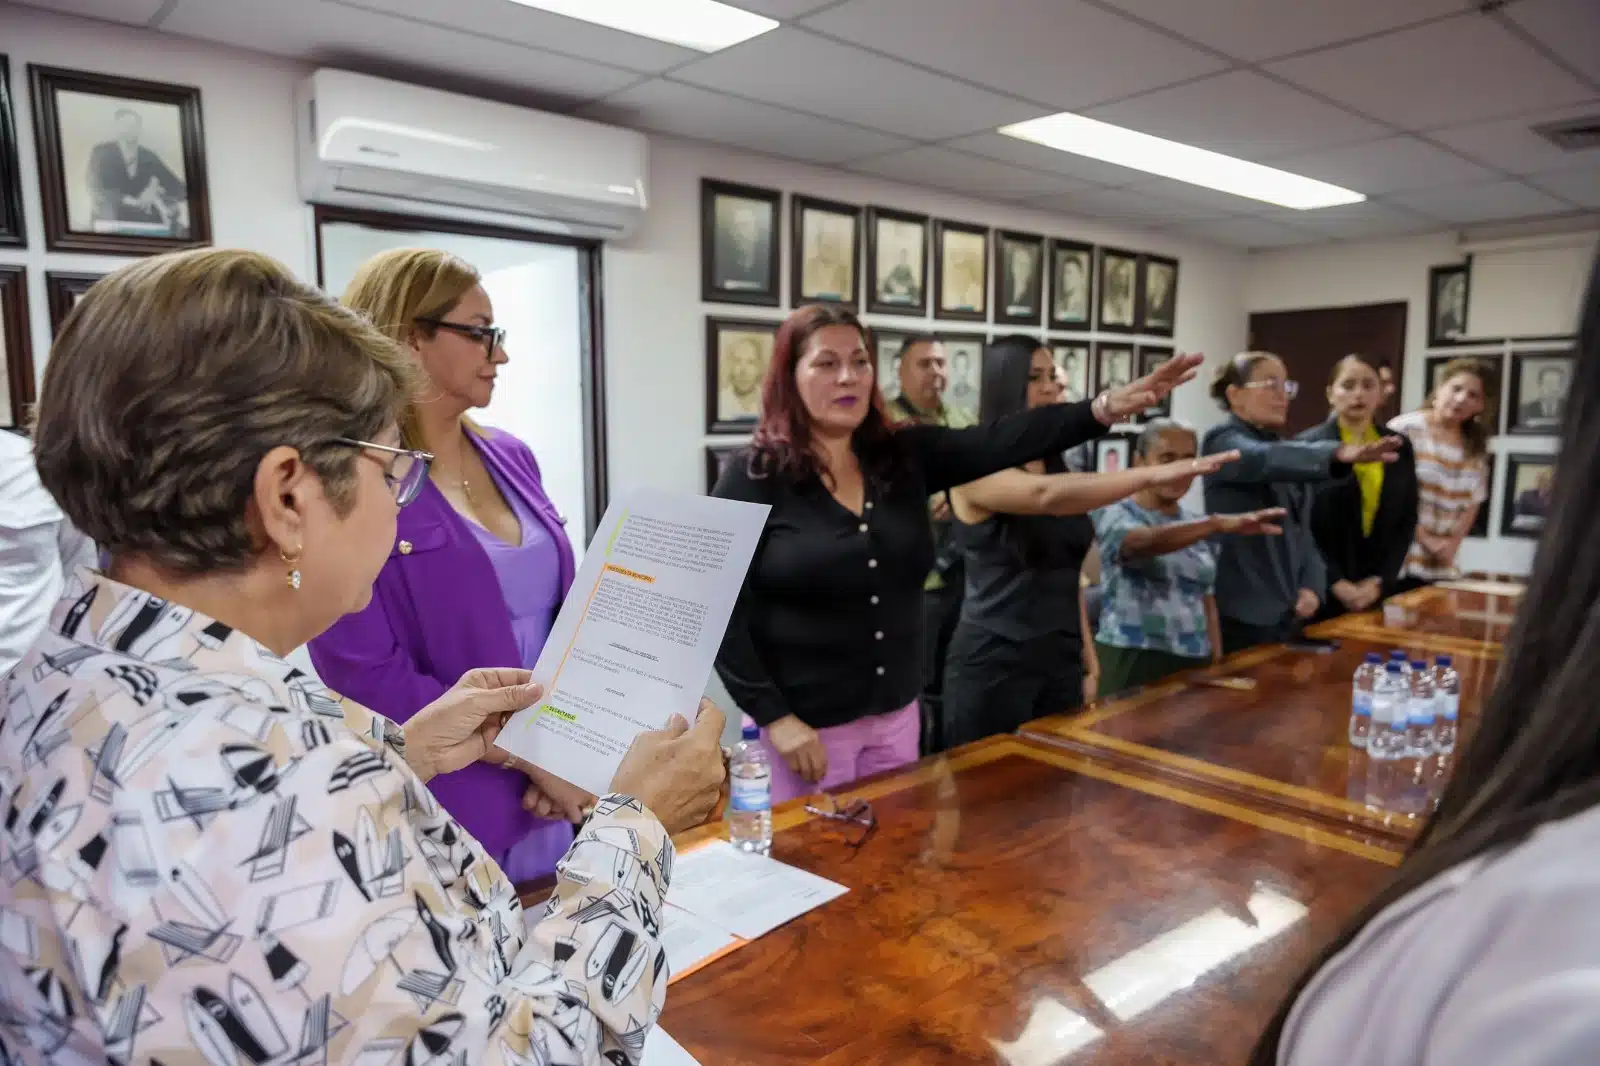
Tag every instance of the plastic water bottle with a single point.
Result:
(750, 795)
(1361, 687)
(1420, 711)
(1404, 661)
(1386, 742)
(1446, 703)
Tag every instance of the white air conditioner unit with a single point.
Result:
(387, 146)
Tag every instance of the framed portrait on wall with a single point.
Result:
(716, 458)
(1018, 278)
(13, 231)
(964, 356)
(1074, 360)
(737, 355)
(1071, 285)
(1448, 287)
(1491, 365)
(960, 271)
(824, 251)
(739, 238)
(1112, 454)
(1114, 363)
(1150, 359)
(1526, 501)
(122, 163)
(62, 291)
(897, 262)
(1540, 382)
(16, 349)
(1119, 293)
(1158, 295)
(1480, 524)
(887, 345)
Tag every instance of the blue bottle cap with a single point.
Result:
(1393, 666)
(1444, 660)
(1374, 658)
(1419, 664)
(751, 732)
(1397, 656)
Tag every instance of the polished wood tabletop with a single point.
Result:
(1019, 903)
(1470, 620)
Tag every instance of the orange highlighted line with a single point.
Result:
(615, 569)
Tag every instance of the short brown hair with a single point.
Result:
(174, 376)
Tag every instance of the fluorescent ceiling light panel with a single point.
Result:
(1182, 162)
(704, 25)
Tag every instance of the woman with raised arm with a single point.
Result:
(824, 651)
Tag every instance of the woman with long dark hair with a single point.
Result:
(824, 650)
(1019, 650)
(1364, 523)
(1485, 947)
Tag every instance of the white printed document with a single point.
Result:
(748, 895)
(661, 1050)
(689, 940)
(634, 641)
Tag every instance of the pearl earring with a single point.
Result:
(294, 570)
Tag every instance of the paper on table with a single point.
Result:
(635, 638)
(748, 895)
(689, 940)
(661, 1050)
(1487, 588)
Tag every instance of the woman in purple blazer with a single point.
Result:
(480, 563)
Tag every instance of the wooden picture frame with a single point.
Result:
(960, 288)
(1018, 301)
(13, 226)
(716, 456)
(1524, 503)
(1530, 412)
(1158, 307)
(62, 291)
(1480, 524)
(733, 392)
(1117, 309)
(16, 349)
(741, 234)
(1113, 360)
(1079, 372)
(1071, 303)
(141, 216)
(1147, 358)
(964, 389)
(1113, 454)
(1494, 387)
(897, 262)
(1447, 304)
(825, 285)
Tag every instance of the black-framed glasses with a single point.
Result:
(405, 472)
(856, 815)
(491, 337)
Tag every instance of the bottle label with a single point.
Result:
(750, 794)
(1447, 705)
(1361, 705)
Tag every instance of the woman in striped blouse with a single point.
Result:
(1451, 441)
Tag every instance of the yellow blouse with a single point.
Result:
(1369, 476)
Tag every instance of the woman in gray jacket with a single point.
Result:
(1485, 948)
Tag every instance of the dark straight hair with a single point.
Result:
(1535, 757)
(1007, 366)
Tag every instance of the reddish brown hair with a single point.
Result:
(782, 441)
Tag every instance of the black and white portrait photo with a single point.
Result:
(1158, 295)
(1115, 365)
(13, 230)
(739, 244)
(888, 345)
(965, 360)
(1447, 304)
(16, 350)
(1529, 479)
(1118, 292)
(826, 239)
(122, 163)
(1539, 385)
(1149, 361)
(1073, 361)
(737, 356)
(1071, 284)
(960, 271)
(897, 258)
(1019, 280)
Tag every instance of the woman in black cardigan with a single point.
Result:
(824, 650)
(1364, 522)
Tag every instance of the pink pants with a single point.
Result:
(856, 749)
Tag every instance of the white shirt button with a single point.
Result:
(869, 505)
(878, 635)
(872, 564)
(880, 671)
(874, 601)
(862, 527)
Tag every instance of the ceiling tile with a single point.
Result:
(1580, 185)
(1249, 233)
(957, 171)
(1240, 113)
(1393, 164)
(1361, 221)
(685, 111)
(1435, 75)
(1027, 154)
(1493, 202)
(1219, 203)
(803, 71)
(135, 12)
(392, 47)
(1255, 30)
(1511, 145)
(539, 29)
(1569, 28)
(1062, 53)
(1120, 205)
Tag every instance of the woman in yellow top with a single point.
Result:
(1363, 523)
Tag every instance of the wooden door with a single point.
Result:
(1311, 341)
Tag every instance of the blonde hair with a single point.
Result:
(397, 288)
(175, 375)
(1475, 433)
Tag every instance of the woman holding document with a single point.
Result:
(824, 647)
(229, 435)
(480, 565)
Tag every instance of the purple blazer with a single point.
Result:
(437, 612)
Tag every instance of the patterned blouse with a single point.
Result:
(208, 859)
(1448, 486)
(1155, 602)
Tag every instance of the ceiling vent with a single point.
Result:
(1573, 135)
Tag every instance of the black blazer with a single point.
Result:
(1336, 519)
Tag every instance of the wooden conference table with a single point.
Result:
(1137, 883)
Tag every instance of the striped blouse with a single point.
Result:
(1449, 485)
